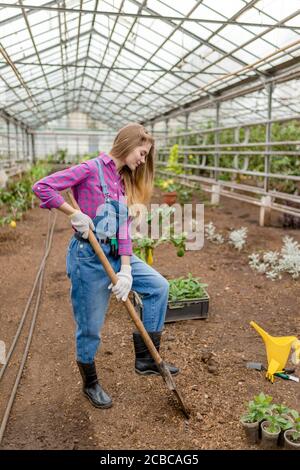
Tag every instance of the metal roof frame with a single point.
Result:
(121, 88)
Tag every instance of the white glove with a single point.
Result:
(123, 286)
(82, 223)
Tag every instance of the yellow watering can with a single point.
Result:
(278, 349)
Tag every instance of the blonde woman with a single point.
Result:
(101, 187)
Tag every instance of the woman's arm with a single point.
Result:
(47, 189)
(125, 260)
(67, 209)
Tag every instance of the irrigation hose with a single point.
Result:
(39, 279)
(28, 304)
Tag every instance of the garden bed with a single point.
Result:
(49, 411)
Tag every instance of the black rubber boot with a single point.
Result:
(144, 363)
(91, 387)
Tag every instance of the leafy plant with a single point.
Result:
(263, 400)
(276, 422)
(144, 247)
(18, 197)
(61, 155)
(285, 164)
(211, 234)
(184, 194)
(295, 435)
(186, 288)
(258, 408)
(277, 415)
(173, 162)
(179, 243)
(238, 238)
(169, 185)
(281, 409)
(254, 414)
(273, 263)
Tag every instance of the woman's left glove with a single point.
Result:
(123, 286)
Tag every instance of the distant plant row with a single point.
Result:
(281, 164)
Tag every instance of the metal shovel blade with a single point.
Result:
(167, 376)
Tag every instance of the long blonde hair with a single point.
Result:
(138, 183)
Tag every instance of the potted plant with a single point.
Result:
(292, 436)
(250, 422)
(188, 299)
(285, 412)
(169, 195)
(270, 430)
(258, 409)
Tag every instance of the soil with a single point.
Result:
(51, 413)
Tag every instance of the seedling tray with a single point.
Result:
(191, 309)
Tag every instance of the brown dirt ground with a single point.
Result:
(49, 411)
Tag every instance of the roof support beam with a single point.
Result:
(137, 15)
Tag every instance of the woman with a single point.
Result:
(105, 181)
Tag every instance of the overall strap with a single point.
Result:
(102, 180)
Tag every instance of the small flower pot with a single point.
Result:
(269, 440)
(169, 198)
(251, 431)
(288, 441)
(281, 435)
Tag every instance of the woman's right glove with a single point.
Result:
(82, 223)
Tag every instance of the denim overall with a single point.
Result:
(89, 287)
(112, 215)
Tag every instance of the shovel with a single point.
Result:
(163, 369)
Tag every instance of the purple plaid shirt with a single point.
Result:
(86, 187)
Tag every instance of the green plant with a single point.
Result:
(258, 408)
(158, 182)
(179, 241)
(263, 400)
(277, 422)
(184, 194)
(174, 165)
(61, 155)
(281, 409)
(295, 435)
(253, 414)
(18, 197)
(144, 246)
(293, 413)
(186, 288)
(169, 185)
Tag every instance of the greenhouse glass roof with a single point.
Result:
(125, 60)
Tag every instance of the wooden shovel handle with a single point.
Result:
(114, 279)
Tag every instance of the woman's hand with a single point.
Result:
(124, 284)
(82, 223)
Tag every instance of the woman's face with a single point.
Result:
(138, 156)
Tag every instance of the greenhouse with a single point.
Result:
(183, 117)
